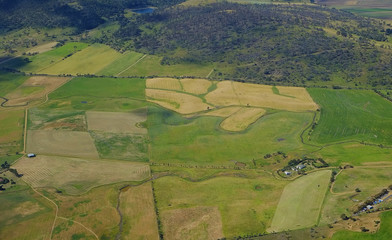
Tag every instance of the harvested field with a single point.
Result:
(164, 83)
(224, 95)
(193, 223)
(222, 112)
(117, 122)
(297, 92)
(300, 203)
(241, 120)
(63, 143)
(42, 48)
(195, 86)
(137, 207)
(179, 102)
(35, 88)
(76, 176)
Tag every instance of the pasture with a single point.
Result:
(88, 61)
(352, 115)
(77, 176)
(99, 94)
(117, 122)
(62, 143)
(199, 141)
(137, 207)
(9, 82)
(11, 134)
(246, 205)
(44, 119)
(34, 89)
(123, 62)
(301, 202)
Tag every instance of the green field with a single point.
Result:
(301, 202)
(9, 82)
(104, 94)
(175, 139)
(246, 205)
(352, 115)
(126, 60)
(384, 233)
(11, 135)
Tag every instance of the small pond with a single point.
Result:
(143, 10)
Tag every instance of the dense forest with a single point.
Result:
(265, 43)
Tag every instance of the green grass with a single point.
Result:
(246, 205)
(88, 61)
(120, 64)
(9, 82)
(175, 139)
(11, 135)
(384, 233)
(301, 202)
(104, 94)
(151, 66)
(352, 115)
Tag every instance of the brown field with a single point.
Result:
(164, 83)
(224, 95)
(117, 122)
(34, 89)
(137, 207)
(65, 229)
(42, 48)
(195, 86)
(192, 223)
(222, 112)
(76, 176)
(241, 120)
(179, 102)
(63, 143)
(297, 92)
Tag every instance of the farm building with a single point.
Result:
(300, 166)
(31, 155)
(287, 173)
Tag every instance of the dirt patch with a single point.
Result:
(116, 122)
(192, 223)
(34, 89)
(63, 143)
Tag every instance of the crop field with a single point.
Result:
(352, 115)
(137, 207)
(193, 223)
(222, 112)
(76, 176)
(176, 139)
(63, 143)
(99, 94)
(241, 120)
(301, 202)
(117, 122)
(24, 215)
(254, 200)
(119, 65)
(151, 66)
(33, 89)
(195, 86)
(88, 61)
(121, 146)
(11, 133)
(164, 83)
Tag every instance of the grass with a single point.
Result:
(301, 202)
(43, 119)
(11, 134)
(120, 64)
(151, 66)
(384, 233)
(352, 115)
(198, 141)
(246, 205)
(88, 61)
(101, 94)
(9, 82)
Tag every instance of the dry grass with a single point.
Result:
(63, 143)
(179, 102)
(223, 96)
(137, 207)
(76, 176)
(65, 229)
(117, 122)
(195, 86)
(241, 120)
(223, 112)
(297, 92)
(35, 88)
(42, 48)
(192, 223)
(164, 83)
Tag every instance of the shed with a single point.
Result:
(301, 166)
(30, 155)
(287, 173)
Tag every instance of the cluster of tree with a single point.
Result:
(372, 199)
(315, 162)
(287, 44)
(5, 165)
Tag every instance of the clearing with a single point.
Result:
(77, 176)
(63, 143)
(301, 201)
